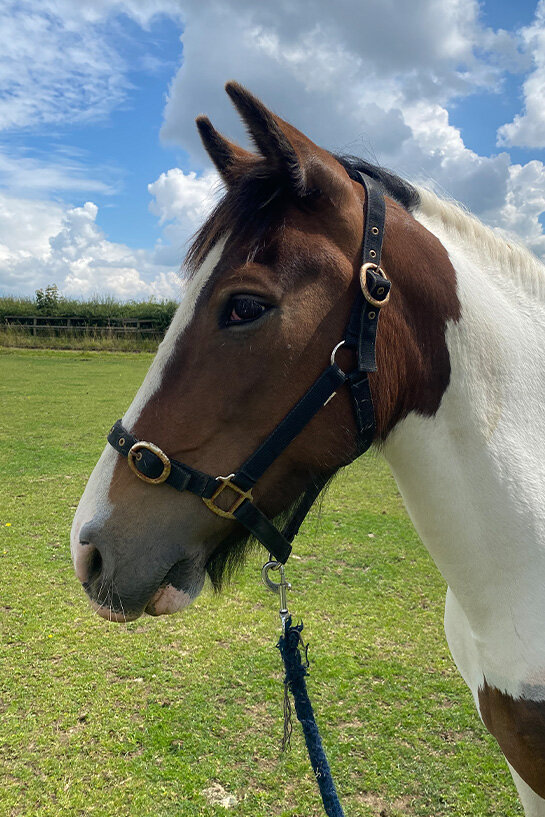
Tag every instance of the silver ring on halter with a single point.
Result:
(365, 289)
(334, 352)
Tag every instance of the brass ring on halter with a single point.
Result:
(365, 289)
(132, 457)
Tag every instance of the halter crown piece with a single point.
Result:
(152, 465)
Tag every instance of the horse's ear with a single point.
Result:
(269, 137)
(230, 159)
(306, 167)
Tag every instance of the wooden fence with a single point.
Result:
(101, 327)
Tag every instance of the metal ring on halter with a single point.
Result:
(134, 455)
(334, 352)
(365, 289)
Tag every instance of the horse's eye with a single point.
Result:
(243, 309)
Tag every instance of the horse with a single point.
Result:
(456, 397)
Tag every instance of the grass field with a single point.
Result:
(139, 720)
(16, 337)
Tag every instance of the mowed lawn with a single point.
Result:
(139, 720)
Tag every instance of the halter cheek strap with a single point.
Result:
(152, 465)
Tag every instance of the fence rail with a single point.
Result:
(74, 324)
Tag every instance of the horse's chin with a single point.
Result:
(168, 600)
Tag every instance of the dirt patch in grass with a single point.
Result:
(382, 808)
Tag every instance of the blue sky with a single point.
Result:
(102, 177)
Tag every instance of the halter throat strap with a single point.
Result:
(152, 465)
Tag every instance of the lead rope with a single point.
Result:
(294, 654)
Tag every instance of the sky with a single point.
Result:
(102, 175)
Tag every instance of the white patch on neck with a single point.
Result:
(472, 476)
(180, 322)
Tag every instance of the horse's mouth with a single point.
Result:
(119, 616)
(166, 601)
(124, 596)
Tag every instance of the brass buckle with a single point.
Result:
(225, 482)
(134, 455)
(365, 289)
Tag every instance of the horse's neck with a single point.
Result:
(473, 475)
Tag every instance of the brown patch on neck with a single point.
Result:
(412, 355)
(519, 727)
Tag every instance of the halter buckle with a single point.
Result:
(225, 482)
(365, 289)
(134, 455)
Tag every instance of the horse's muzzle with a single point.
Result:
(121, 588)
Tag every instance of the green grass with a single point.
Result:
(137, 720)
(19, 337)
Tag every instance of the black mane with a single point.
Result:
(395, 186)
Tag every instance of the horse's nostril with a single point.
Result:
(95, 564)
(88, 564)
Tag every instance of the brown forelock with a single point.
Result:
(250, 211)
(290, 169)
(518, 725)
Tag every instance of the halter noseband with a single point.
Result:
(152, 465)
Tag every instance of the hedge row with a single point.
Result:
(100, 308)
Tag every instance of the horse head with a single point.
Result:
(272, 277)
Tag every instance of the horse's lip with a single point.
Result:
(119, 616)
(167, 600)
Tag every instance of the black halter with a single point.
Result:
(152, 465)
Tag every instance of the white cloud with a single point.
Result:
(60, 64)
(369, 77)
(305, 59)
(182, 202)
(59, 61)
(524, 201)
(436, 154)
(43, 242)
(26, 175)
(528, 128)
(383, 94)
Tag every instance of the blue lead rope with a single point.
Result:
(296, 670)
